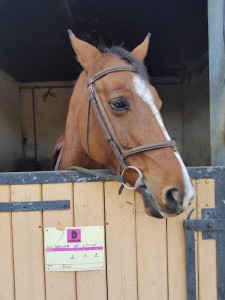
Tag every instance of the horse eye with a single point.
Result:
(119, 103)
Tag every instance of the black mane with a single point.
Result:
(130, 59)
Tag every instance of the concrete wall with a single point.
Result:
(11, 150)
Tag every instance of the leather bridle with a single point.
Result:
(108, 131)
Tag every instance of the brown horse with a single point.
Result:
(113, 114)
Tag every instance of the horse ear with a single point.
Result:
(85, 52)
(141, 50)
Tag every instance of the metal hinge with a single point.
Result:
(212, 228)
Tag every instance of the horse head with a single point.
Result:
(114, 120)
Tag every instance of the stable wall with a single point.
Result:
(44, 113)
(50, 107)
(170, 92)
(185, 112)
(11, 149)
(196, 114)
(37, 116)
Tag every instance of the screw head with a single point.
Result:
(189, 227)
(209, 225)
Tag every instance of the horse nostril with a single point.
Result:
(173, 199)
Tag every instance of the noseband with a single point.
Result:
(108, 131)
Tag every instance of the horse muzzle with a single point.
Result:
(174, 203)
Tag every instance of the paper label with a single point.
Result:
(74, 248)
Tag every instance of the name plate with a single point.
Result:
(74, 248)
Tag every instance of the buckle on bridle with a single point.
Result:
(139, 182)
(91, 89)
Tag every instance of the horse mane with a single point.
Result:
(130, 59)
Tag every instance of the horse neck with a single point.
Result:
(73, 153)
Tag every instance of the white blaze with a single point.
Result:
(144, 92)
(189, 190)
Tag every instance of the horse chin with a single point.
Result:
(152, 207)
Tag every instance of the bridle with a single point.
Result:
(108, 131)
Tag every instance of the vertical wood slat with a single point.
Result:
(151, 254)
(89, 211)
(28, 245)
(6, 257)
(206, 248)
(195, 182)
(120, 243)
(59, 285)
(176, 253)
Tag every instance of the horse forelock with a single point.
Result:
(130, 59)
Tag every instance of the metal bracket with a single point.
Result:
(34, 205)
(212, 228)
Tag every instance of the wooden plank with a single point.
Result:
(28, 245)
(151, 254)
(6, 257)
(59, 285)
(176, 253)
(206, 248)
(120, 243)
(89, 211)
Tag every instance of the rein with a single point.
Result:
(108, 131)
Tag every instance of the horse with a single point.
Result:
(114, 121)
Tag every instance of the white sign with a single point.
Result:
(74, 248)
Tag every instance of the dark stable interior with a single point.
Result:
(34, 44)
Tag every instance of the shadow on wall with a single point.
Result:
(28, 165)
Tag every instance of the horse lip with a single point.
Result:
(151, 207)
(150, 204)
